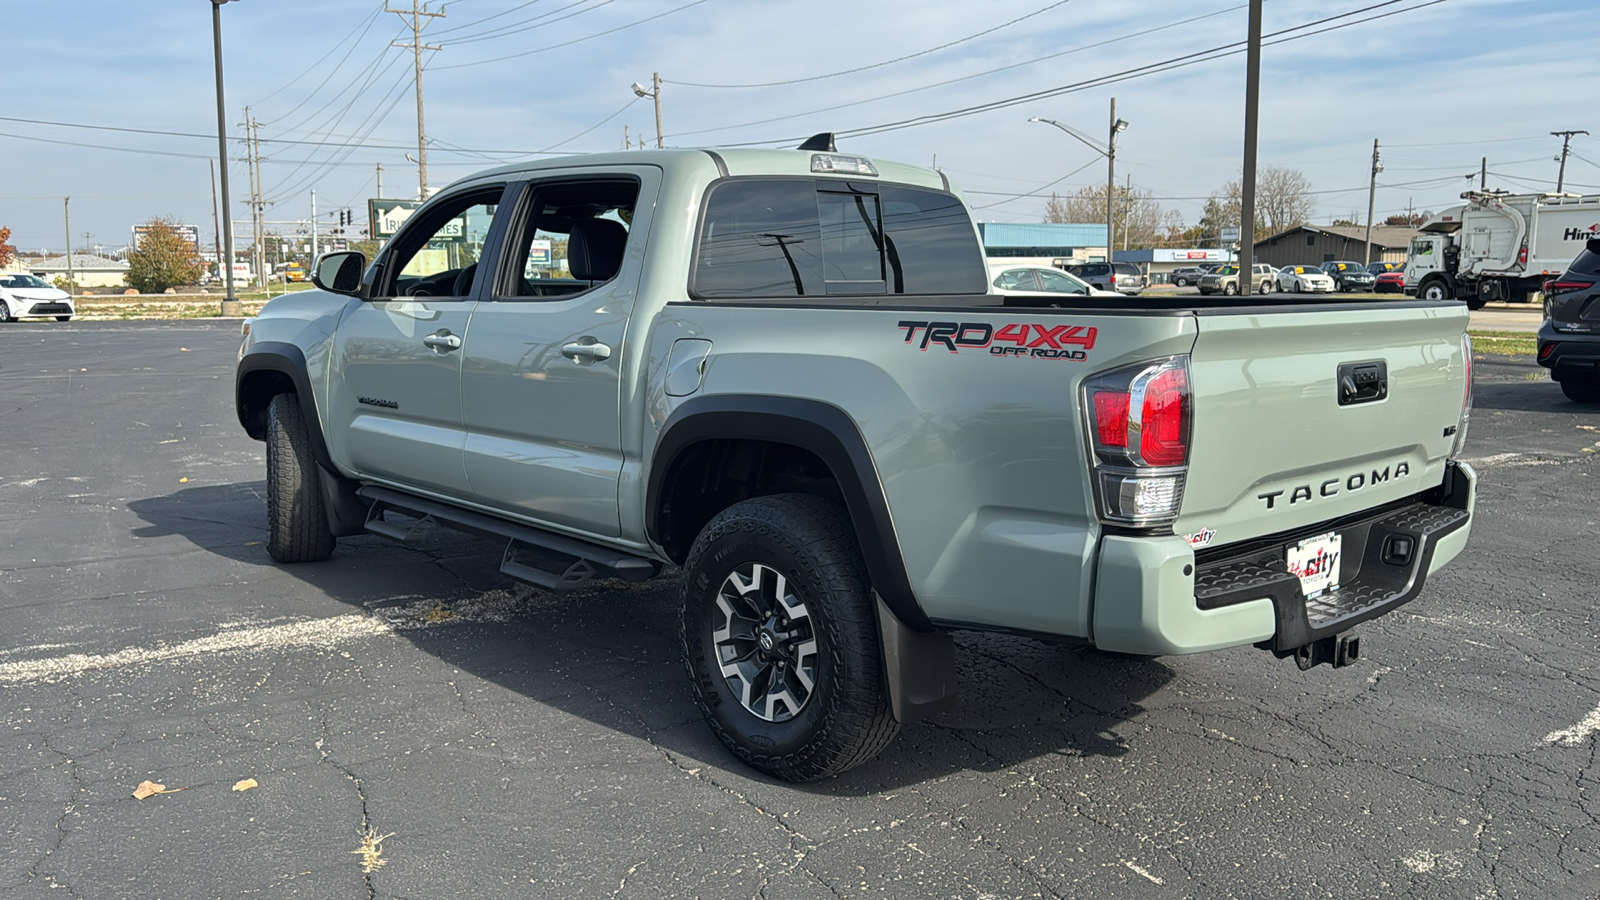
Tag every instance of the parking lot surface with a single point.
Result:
(490, 740)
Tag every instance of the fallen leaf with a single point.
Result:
(183, 480)
(183, 349)
(83, 370)
(246, 785)
(147, 788)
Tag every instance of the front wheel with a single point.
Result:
(780, 638)
(297, 524)
(5, 313)
(1181, 282)
(1581, 391)
(1436, 291)
(1230, 289)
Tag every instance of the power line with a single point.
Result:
(367, 22)
(950, 81)
(887, 62)
(519, 27)
(1015, 197)
(575, 40)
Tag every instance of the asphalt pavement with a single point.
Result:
(464, 736)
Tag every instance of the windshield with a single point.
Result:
(1228, 270)
(22, 281)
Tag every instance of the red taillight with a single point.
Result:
(1163, 432)
(1111, 418)
(1551, 288)
(1545, 351)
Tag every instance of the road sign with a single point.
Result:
(539, 253)
(1230, 235)
(189, 233)
(386, 217)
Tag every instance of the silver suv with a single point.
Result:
(1123, 277)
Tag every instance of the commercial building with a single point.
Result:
(1043, 243)
(1159, 263)
(1316, 244)
(88, 270)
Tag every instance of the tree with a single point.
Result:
(1139, 219)
(8, 253)
(163, 259)
(1412, 221)
(1283, 201)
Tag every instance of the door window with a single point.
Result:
(1016, 280)
(572, 238)
(437, 255)
(1056, 282)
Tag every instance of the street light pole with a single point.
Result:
(230, 303)
(1110, 153)
(638, 89)
(1247, 191)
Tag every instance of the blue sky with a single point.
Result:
(1440, 86)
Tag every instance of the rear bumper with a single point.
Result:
(1155, 597)
(1569, 355)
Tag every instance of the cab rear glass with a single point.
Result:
(788, 237)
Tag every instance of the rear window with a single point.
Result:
(1587, 263)
(788, 237)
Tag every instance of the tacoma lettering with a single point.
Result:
(1303, 493)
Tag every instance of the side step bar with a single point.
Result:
(550, 561)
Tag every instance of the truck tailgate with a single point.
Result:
(1276, 447)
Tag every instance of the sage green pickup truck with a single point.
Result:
(783, 372)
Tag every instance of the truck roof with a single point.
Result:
(739, 161)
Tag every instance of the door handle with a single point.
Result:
(587, 349)
(442, 341)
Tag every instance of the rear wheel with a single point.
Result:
(297, 524)
(780, 638)
(1581, 391)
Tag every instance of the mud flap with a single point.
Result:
(919, 668)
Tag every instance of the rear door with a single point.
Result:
(395, 391)
(547, 348)
(1279, 443)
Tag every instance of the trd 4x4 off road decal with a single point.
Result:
(1031, 340)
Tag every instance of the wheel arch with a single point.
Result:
(797, 431)
(269, 369)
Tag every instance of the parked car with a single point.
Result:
(1126, 279)
(1392, 282)
(1226, 280)
(1349, 276)
(1304, 279)
(1040, 285)
(31, 297)
(1569, 340)
(1186, 276)
(1378, 268)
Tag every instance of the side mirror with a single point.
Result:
(339, 273)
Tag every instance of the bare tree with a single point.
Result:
(1140, 220)
(1283, 201)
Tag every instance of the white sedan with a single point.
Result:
(29, 296)
(1040, 285)
(1304, 279)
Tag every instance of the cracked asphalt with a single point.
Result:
(506, 743)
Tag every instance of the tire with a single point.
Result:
(1231, 288)
(826, 631)
(63, 318)
(297, 524)
(1581, 391)
(1435, 290)
(1182, 282)
(5, 313)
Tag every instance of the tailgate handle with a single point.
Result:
(1363, 382)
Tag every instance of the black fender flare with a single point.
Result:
(347, 512)
(919, 661)
(288, 360)
(812, 425)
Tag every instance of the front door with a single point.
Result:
(396, 373)
(541, 378)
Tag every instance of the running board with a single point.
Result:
(551, 561)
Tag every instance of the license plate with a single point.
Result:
(1315, 561)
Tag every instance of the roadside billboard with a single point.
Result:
(189, 233)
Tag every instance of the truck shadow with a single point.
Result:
(609, 652)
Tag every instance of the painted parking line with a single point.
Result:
(1577, 734)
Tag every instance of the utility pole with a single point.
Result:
(1483, 174)
(253, 147)
(654, 94)
(216, 230)
(380, 182)
(313, 225)
(1372, 193)
(1127, 210)
(66, 218)
(1247, 190)
(627, 141)
(1111, 183)
(417, 14)
(1566, 138)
